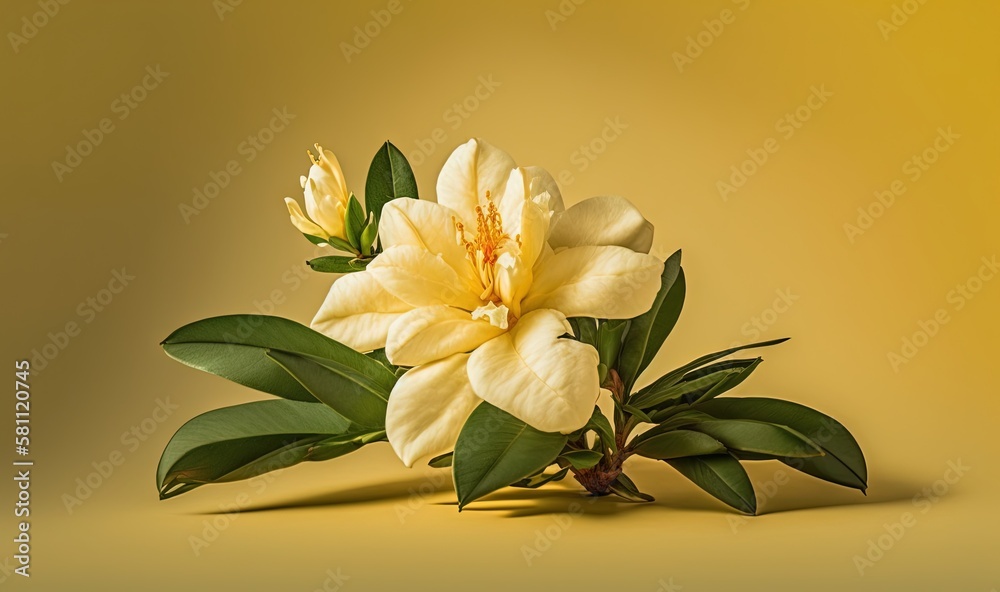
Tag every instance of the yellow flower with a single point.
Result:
(326, 198)
(473, 293)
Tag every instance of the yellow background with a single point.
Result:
(561, 76)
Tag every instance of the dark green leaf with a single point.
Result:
(354, 222)
(625, 488)
(379, 356)
(536, 481)
(495, 449)
(696, 386)
(600, 425)
(759, 437)
(234, 347)
(675, 376)
(389, 177)
(585, 330)
(338, 264)
(844, 462)
(677, 444)
(582, 459)
(721, 476)
(648, 331)
(240, 442)
(441, 461)
(609, 341)
(348, 391)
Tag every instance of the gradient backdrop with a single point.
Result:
(848, 101)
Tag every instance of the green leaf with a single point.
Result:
(379, 356)
(582, 459)
(625, 488)
(495, 449)
(338, 264)
(648, 331)
(333, 241)
(678, 444)
(389, 177)
(368, 235)
(675, 376)
(345, 389)
(844, 462)
(600, 425)
(235, 347)
(585, 330)
(243, 441)
(759, 437)
(637, 413)
(721, 476)
(354, 222)
(609, 341)
(441, 461)
(536, 481)
(700, 385)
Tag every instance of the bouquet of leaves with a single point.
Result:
(480, 332)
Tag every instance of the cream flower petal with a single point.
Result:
(599, 282)
(431, 333)
(421, 278)
(529, 372)
(429, 226)
(305, 225)
(428, 407)
(358, 312)
(540, 183)
(472, 169)
(605, 220)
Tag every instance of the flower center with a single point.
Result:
(488, 248)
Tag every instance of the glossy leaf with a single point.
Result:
(351, 393)
(240, 442)
(338, 264)
(648, 331)
(389, 177)
(536, 481)
(759, 437)
(678, 444)
(442, 460)
(843, 463)
(721, 476)
(582, 459)
(495, 449)
(625, 488)
(235, 347)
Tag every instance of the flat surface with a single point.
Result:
(662, 105)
